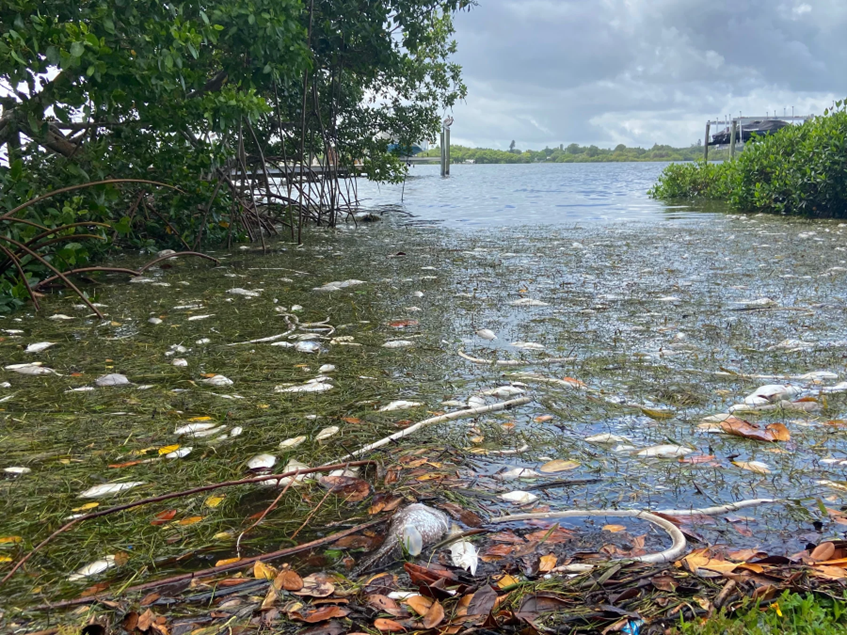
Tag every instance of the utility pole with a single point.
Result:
(732, 138)
(706, 142)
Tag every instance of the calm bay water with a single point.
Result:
(536, 194)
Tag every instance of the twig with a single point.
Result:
(312, 513)
(514, 362)
(164, 497)
(177, 255)
(262, 517)
(459, 414)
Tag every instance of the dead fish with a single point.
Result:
(528, 346)
(528, 302)
(400, 405)
(113, 379)
(107, 489)
(37, 347)
(771, 394)
(155, 320)
(307, 347)
(217, 380)
(521, 498)
(92, 569)
(308, 387)
(337, 286)
(292, 442)
(416, 526)
(60, 316)
(32, 368)
(179, 361)
(261, 462)
(398, 344)
(486, 334)
(666, 451)
(244, 292)
(327, 433)
(326, 368)
(194, 428)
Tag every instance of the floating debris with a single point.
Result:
(486, 334)
(95, 568)
(109, 489)
(337, 286)
(261, 462)
(528, 302)
(400, 405)
(31, 368)
(217, 381)
(179, 361)
(666, 451)
(327, 433)
(519, 497)
(464, 555)
(293, 442)
(113, 379)
(38, 347)
(398, 344)
(244, 292)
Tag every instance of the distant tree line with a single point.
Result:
(575, 153)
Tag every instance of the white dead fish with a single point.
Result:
(179, 453)
(108, 489)
(668, 298)
(296, 308)
(236, 432)
(326, 368)
(60, 316)
(194, 428)
(842, 387)
(165, 252)
(92, 569)
(452, 403)
(528, 302)
(416, 526)
(476, 402)
(519, 497)
(503, 391)
(464, 555)
(82, 389)
(217, 380)
(307, 347)
(203, 341)
(486, 334)
(327, 433)
(200, 434)
(771, 394)
(155, 320)
(179, 361)
(398, 344)
(818, 375)
(517, 472)
(337, 286)
(195, 318)
(758, 303)
(293, 442)
(37, 347)
(606, 438)
(528, 346)
(753, 466)
(292, 465)
(244, 292)
(665, 451)
(261, 462)
(307, 387)
(112, 379)
(32, 368)
(400, 405)
(17, 471)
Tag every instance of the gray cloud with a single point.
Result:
(545, 72)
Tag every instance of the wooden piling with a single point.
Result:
(732, 139)
(706, 142)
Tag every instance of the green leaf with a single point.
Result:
(77, 49)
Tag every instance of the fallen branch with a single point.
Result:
(459, 414)
(264, 513)
(177, 255)
(668, 555)
(172, 495)
(514, 362)
(679, 542)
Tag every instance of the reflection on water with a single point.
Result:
(539, 194)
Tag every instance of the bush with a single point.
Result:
(801, 170)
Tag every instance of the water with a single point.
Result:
(641, 296)
(480, 196)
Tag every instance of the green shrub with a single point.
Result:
(801, 170)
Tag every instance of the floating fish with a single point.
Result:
(308, 387)
(244, 292)
(37, 347)
(327, 433)
(528, 302)
(217, 380)
(307, 347)
(108, 489)
(293, 442)
(517, 472)
(486, 334)
(60, 316)
(337, 286)
(155, 320)
(195, 318)
(400, 405)
(606, 438)
(179, 361)
(521, 498)
(261, 462)
(92, 569)
(503, 392)
(771, 394)
(194, 428)
(179, 453)
(32, 368)
(17, 471)
(326, 368)
(416, 526)
(113, 379)
(398, 344)
(664, 451)
(528, 346)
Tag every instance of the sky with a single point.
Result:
(639, 72)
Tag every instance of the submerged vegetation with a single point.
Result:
(227, 110)
(799, 171)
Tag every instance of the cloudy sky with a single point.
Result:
(639, 72)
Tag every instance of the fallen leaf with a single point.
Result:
(401, 324)
(225, 561)
(214, 501)
(543, 418)
(694, 459)
(352, 489)
(288, 580)
(741, 428)
(162, 517)
(316, 585)
(434, 616)
(483, 601)
(262, 571)
(547, 563)
(81, 508)
(168, 449)
(419, 603)
(505, 581)
(753, 466)
(6, 540)
(191, 520)
(614, 528)
(390, 626)
(823, 551)
(352, 420)
(320, 614)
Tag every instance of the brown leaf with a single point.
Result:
(483, 601)
(391, 626)
(823, 551)
(316, 585)
(614, 528)
(694, 459)
(497, 552)
(145, 620)
(434, 616)
(462, 515)
(262, 571)
(288, 580)
(320, 614)
(401, 324)
(419, 604)
(547, 563)
(507, 536)
(385, 604)
(385, 503)
(352, 489)
(741, 428)
(533, 605)
(352, 420)
(557, 536)
(130, 621)
(664, 583)
(270, 598)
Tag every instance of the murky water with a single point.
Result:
(647, 311)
